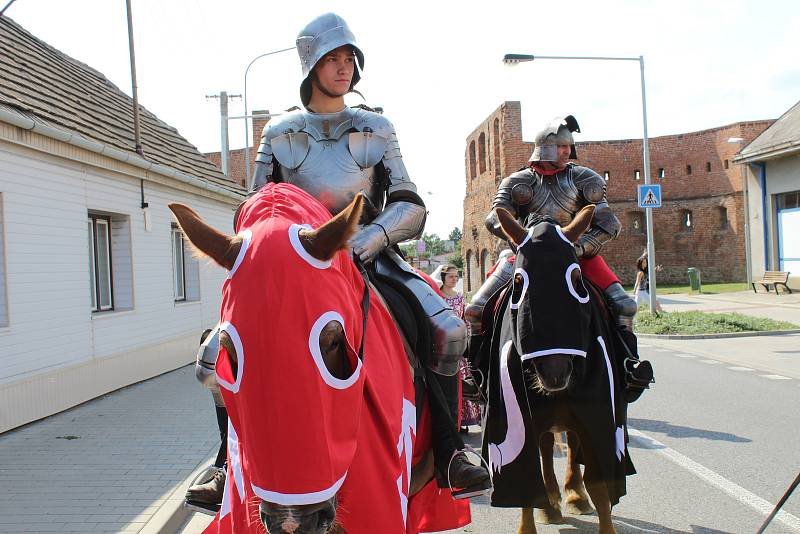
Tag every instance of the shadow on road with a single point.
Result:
(624, 525)
(676, 431)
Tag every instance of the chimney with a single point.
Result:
(258, 125)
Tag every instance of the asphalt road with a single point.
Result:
(715, 443)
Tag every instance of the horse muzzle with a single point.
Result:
(553, 371)
(298, 519)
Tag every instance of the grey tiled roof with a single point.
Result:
(46, 85)
(781, 137)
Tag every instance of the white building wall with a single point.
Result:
(56, 352)
(782, 175)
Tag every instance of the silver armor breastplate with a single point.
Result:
(330, 159)
(555, 196)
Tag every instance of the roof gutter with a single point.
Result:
(777, 151)
(130, 158)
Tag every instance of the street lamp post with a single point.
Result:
(247, 124)
(513, 59)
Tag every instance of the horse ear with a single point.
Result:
(324, 242)
(210, 242)
(579, 224)
(515, 231)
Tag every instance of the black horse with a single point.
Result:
(552, 368)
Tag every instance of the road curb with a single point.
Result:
(677, 337)
(171, 515)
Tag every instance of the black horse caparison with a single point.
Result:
(552, 369)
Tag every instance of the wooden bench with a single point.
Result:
(774, 278)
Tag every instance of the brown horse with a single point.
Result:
(314, 376)
(552, 371)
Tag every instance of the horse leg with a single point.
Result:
(599, 492)
(551, 514)
(576, 500)
(527, 525)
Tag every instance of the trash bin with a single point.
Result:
(694, 279)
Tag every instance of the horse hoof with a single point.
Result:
(548, 516)
(579, 507)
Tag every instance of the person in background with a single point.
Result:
(470, 411)
(641, 288)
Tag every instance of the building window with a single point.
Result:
(636, 222)
(178, 265)
(708, 166)
(606, 175)
(482, 152)
(788, 201)
(468, 263)
(661, 172)
(484, 258)
(637, 174)
(686, 221)
(101, 281)
(497, 170)
(725, 164)
(688, 169)
(110, 261)
(3, 291)
(722, 212)
(472, 163)
(185, 269)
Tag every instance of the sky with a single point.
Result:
(436, 69)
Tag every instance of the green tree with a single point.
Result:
(455, 235)
(433, 244)
(456, 258)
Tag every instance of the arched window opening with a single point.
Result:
(482, 152)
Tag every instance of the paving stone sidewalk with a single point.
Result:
(783, 307)
(114, 464)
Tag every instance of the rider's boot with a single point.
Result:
(453, 468)
(467, 479)
(638, 373)
(209, 487)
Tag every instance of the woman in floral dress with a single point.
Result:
(470, 411)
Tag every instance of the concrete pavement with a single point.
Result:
(114, 464)
(122, 462)
(783, 307)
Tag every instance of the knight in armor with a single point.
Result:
(333, 152)
(553, 187)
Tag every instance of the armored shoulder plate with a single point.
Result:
(591, 185)
(515, 191)
(369, 142)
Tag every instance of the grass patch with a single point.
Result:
(704, 323)
(708, 289)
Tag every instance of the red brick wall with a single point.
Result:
(714, 247)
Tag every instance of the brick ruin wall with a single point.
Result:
(698, 179)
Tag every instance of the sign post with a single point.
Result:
(649, 198)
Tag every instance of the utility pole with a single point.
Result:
(137, 139)
(223, 97)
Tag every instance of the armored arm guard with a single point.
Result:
(206, 362)
(605, 225)
(264, 164)
(404, 215)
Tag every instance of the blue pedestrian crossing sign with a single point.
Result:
(650, 196)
